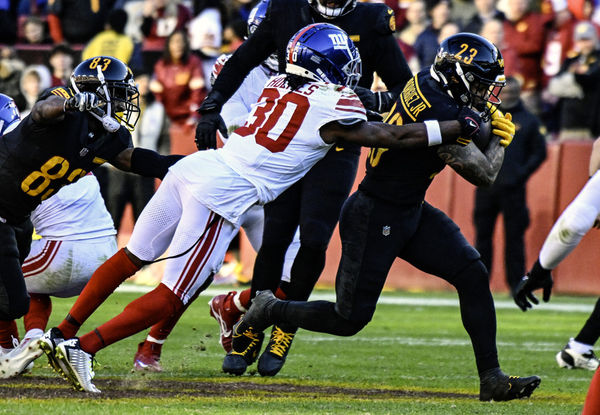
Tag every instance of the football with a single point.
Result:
(484, 135)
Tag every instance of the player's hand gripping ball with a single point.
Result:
(503, 126)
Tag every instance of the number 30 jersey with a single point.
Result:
(36, 159)
(277, 145)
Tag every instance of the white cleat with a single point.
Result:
(78, 364)
(570, 359)
(20, 359)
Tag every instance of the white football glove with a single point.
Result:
(82, 101)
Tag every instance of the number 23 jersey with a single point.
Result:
(37, 159)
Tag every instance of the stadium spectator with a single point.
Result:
(35, 79)
(33, 7)
(125, 187)
(427, 43)
(11, 69)
(416, 18)
(234, 35)
(578, 87)
(35, 31)
(507, 195)
(448, 29)
(205, 32)
(486, 11)
(77, 21)
(112, 41)
(493, 30)
(161, 18)
(61, 64)
(179, 84)
(525, 32)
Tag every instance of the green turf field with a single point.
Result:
(414, 358)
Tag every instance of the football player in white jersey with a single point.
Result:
(234, 113)
(77, 236)
(198, 207)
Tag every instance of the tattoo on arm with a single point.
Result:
(478, 168)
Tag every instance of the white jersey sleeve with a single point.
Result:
(76, 212)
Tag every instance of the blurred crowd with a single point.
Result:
(171, 45)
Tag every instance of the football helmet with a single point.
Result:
(9, 114)
(341, 7)
(471, 69)
(112, 81)
(324, 52)
(257, 15)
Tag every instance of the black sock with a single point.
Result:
(591, 329)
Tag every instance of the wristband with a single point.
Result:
(434, 135)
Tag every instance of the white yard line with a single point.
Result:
(404, 301)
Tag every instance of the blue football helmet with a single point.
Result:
(257, 15)
(324, 52)
(9, 114)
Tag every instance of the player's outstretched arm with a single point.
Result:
(48, 110)
(145, 162)
(376, 134)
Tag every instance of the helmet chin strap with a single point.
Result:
(438, 76)
(108, 122)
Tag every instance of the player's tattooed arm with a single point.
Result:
(47, 110)
(479, 168)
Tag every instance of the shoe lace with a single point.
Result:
(280, 342)
(254, 339)
(15, 341)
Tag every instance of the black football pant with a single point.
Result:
(15, 242)
(511, 202)
(590, 332)
(374, 233)
(313, 203)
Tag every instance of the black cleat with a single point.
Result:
(272, 359)
(246, 345)
(496, 386)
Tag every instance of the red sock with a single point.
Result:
(102, 284)
(162, 329)
(592, 400)
(245, 298)
(140, 314)
(280, 294)
(8, 330)
(40, 308)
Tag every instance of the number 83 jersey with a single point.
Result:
(37, 159)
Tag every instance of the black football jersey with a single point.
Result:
(36, 160)
(403, 176)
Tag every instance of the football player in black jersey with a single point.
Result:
(388, 216)
(314, 203)
(69, 132)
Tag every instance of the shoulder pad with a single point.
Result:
(61, 91)
(384, 19)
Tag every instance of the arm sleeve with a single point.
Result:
(149, 163)
(249, 55)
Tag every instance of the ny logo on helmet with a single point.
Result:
(339, 40)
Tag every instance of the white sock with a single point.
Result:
(152, 339)
(238, 304)
(580, 348)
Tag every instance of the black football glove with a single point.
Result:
(210, 122)
(535, 279)
(375, 101)
(470, 122)
(82, 101)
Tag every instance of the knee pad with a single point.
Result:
(576, 221)
(316, 234)
(474, 272)
(349, 328)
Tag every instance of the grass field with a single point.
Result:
(414, 358)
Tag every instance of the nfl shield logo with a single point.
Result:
(386, 230)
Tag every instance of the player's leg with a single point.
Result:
(579, 351)
(184, 277)
(516, 221)
(150, 238)
(325, 189)
(14, 248)
(484, 218)
(458, 262)
(576, 220)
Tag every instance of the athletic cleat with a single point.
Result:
(223, 309)
(272, 359)
(259, 313)
(78, 364)
(47, 344)
(147, 358)
(570, 359)
(20, 359)
(496, 386)
(246, 345)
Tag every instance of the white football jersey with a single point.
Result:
(76, 212)
(276, 146)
